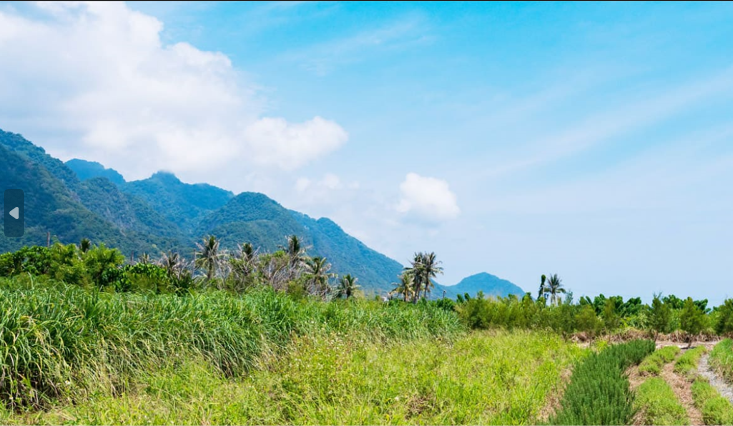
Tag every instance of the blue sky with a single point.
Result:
(590, 140)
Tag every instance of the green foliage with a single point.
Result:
(721, 358)
(598, 392)
(692, 319)
(510, 313)
(687, 363)
(587, 321)
(659, 405)
(660, 316)
(652, 364)
(610, 317)
(715, 409)
(724, 324)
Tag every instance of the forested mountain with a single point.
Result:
(161, 213)
(489, 284)
(182, 203)
(82, 199)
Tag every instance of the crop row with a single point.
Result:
(598, 392)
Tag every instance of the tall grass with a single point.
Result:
(598, 392)
(477, 378)
(721, 358)
(59, 341)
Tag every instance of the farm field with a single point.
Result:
(88, 339)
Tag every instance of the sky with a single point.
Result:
(594, 141)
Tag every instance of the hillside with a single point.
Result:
(181, 203)
(51, 207)
(489, 284)
(256, 218)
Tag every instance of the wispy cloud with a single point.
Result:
(322, 58)
(643, 110)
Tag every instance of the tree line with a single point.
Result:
(288, 269)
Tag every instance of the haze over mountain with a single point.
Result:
(81, 199)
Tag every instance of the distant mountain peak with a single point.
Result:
(489, 284)
(165, 175)
(86, 170)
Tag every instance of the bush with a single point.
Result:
(598, 392)
(652, 364)
(659, 405)
(715, 409)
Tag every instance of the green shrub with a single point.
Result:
(715, 409)
(721, 358)
(659, 405)
(652, 364)
(598, 392)
(687, 363)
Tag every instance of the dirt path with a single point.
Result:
(683, 389)
(714, 378)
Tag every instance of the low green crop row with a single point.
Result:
(59, 341)
(652, 365)
(715, 409)
(687, 363)
(721, 358)
(658, 404)
(598, 392)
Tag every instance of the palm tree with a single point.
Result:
(554, 288)
(430, 268)
(85, 245)
(172, 264)
(541, 292)
(317, 269)
(405, 286)
(416, 271)
(144, 259)
(244, 263)
(296, 255)
(208, 256)
(346, 287)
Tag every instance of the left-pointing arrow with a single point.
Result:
(15, 213)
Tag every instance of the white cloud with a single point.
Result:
(427, 197)
(274, 141)
(95, 80)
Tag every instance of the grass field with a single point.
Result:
(477, 378)
(75, 356)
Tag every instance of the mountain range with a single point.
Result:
(81, 199)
